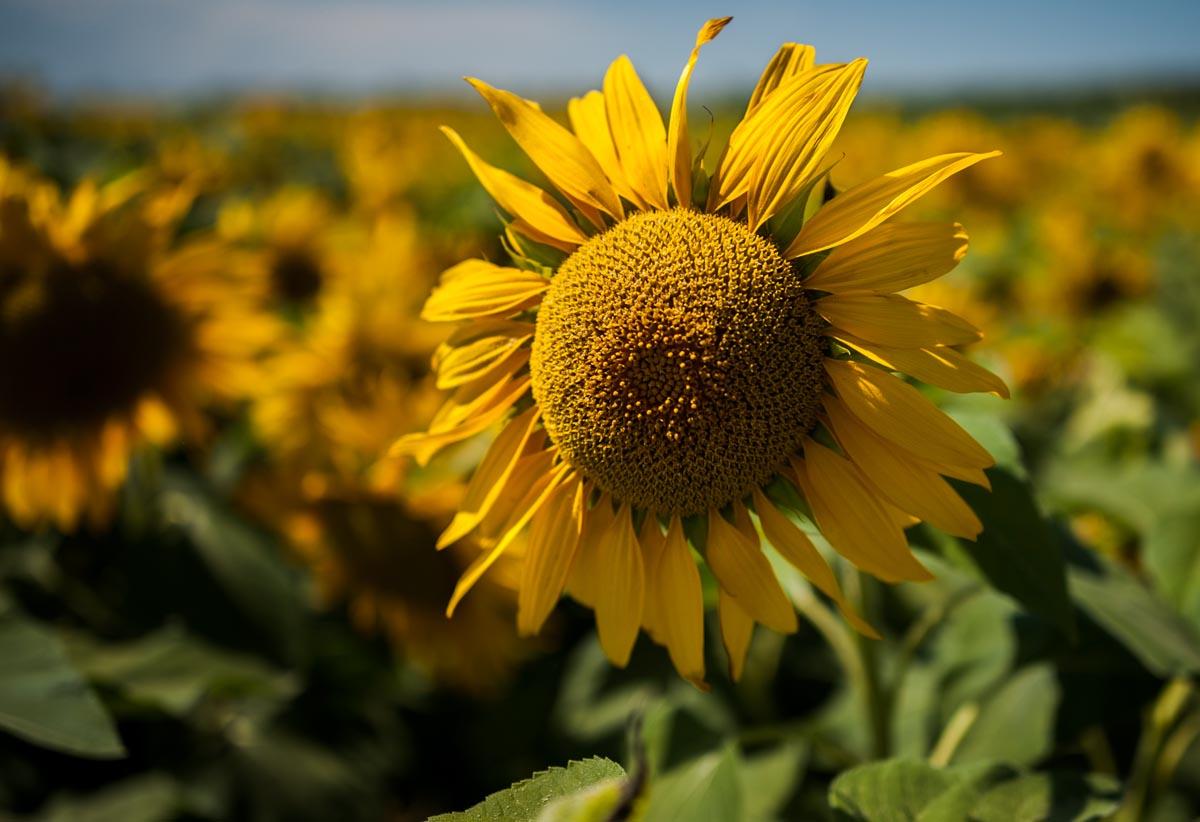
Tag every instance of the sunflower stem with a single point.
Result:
(1160, 721)
(875, 702)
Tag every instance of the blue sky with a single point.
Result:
(173, 47)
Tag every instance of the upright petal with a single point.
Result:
(637, 131)
(589, 119)
(759, 134)
(679, 148)
(791, 60)
(856, 211)
(807, 122)
(532, 207)
(555, 150)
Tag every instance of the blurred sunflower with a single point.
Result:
(108, 339)
(295, 232)
(331, 399)
(1146, 169)
(706, 347)
(373, 553)
(336, 392)
(1086, 268)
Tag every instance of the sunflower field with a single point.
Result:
(759, 458)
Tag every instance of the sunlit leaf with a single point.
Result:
(525, 801)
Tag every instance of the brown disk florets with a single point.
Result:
(677, 361)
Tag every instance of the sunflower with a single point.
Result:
(678, 356)
(108, 339)
(371, 552)
(336, 391)
(294, 232)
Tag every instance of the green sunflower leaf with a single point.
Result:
(1133, 614)
(895, 790)
(705, 788)
(526, 800)
(43, 699)
(902, 790)
(1017, 553)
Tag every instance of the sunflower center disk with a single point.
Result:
(80, 344)
(677, 361)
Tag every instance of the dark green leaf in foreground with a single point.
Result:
(1053, 797)
(891, 791)
(43, 699)
(1017, 552)
(900, 790)
(1016, 723)
(1161, 639)
(244, 561)
(525, 801)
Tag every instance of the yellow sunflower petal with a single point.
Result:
(679, 147)
(895, 321)
(856, 211)
(791, 60)
(553, 539)
(652, 541)
(555, 150)
(589, 120)
(490, 477)
(852, 518)
(485, 410)
(583, 582)
(745, 573)
(736, 630)
(759, 135)
(530, 505)
(892, 257)
(898, 412)
(523, 200)
(528, 475)
(481, 337)
(476, 288)
(476, 360)
(909, 486)
(937, 365)
(975, 476)
(621, 591)
(681, 608)
(637, 131)
(795, 546)
(808, 120)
